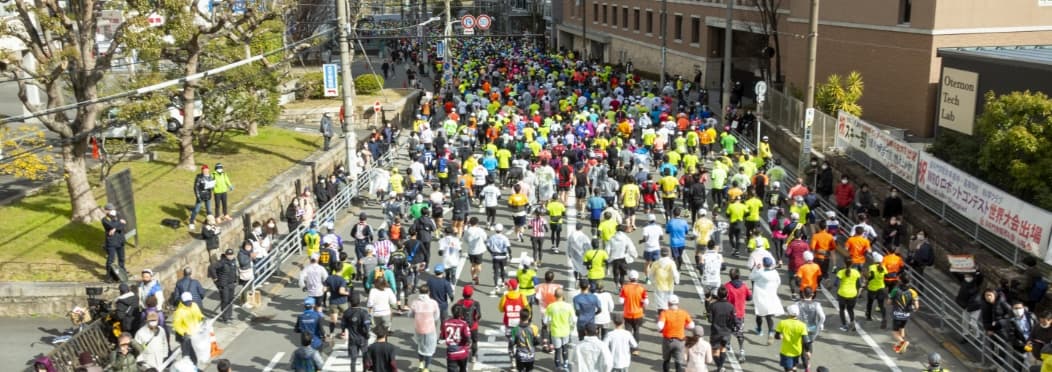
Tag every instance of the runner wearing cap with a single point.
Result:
(633, 300)
(673, 324)
(793, 332)
(876, 291)
(472, 315)
(499, 248)
(824, 246)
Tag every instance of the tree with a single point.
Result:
(1016, 144)
(840, 94)
(189, 32)
(63, 59)
(768, 10)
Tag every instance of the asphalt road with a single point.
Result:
(268, 345)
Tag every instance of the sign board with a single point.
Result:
(809, 117)
(377, 107)
(961, 263)
(239, 6)
(469, 31)
(330, 78)
(121, 194)
(484, 21)
(958, 91)
(761, 93)
(1018, 222)
(467, 21)
(896, 155)
(440, 49)
(155, 20)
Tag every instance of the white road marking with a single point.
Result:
(274, 361)
(866, 337)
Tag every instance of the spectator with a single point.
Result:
(225, 274)
(824, 181)
(894, 233)
(844, 195)
(1034, 284)
(222, 187)
(892, 205)
(970, 297)
(187, 284)
(149, 287)
(154, 341)
(210, 233)
(204, 184)
(923, 255)
(1016, 329)
(124, 357)
(994, 309)
(326, 130)
(321, 191)
(864, 201)
(114, 227)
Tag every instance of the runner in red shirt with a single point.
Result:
(457, 335)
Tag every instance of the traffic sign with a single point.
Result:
(468, 21)
(809, 117)
(440, 49)
(469, 31)
(484, 21)
(377, 107)
(330, 77)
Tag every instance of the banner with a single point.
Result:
(896, 155)
(1004, 215)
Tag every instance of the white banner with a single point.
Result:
(896, 155)
(1004, 215)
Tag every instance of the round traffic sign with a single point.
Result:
(377, 107)
(484, 22)
(761, 88)
(467, 21)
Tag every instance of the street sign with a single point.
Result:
(484, 21)
(809, 117)
(239, 6)
(761, 91)
(440, 50)
(377, 107)
(467, 21)
(469, 31)
(330, 77)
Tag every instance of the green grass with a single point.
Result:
(38, 243)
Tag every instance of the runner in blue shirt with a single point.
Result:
(677, 235)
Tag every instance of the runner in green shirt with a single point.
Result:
(560, 317)
(793, 332)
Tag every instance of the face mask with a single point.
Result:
(270, 225)
(153, 324)
(824, 166)
(257, 231)
(968, 279)
(113, 213)
(1019, 312)
(220, 171)
(843, 182)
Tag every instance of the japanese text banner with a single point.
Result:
(896, 155)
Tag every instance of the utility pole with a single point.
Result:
(728, 53)
(584, 30)
(809, 95)
(664, 40)
(348, 84)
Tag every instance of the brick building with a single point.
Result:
(893, 43)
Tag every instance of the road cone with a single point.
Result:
(216, 351)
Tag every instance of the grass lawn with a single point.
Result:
(38, 243)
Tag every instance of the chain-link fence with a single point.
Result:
(788, 112)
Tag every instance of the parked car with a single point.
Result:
(176, 114)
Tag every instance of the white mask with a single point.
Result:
(270, 225)
(968, 279)
(1019, 312)
(824, 166)
(153, 324)
(113, 213)
(257, 231)
(843, 182)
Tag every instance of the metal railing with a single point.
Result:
(937, 303)
(93, 338)
(787, 112)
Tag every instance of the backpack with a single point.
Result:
(903, 302)
(360, 323)
(524, 345)
(378, 275)
(398, 261)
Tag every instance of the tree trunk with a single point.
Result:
(186, 132)
(777, 55)
(82, 200)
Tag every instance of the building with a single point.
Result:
(894, 44)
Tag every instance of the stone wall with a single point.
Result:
(57, 298)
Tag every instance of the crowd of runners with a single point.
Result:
(582, 155)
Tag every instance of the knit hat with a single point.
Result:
(513, 283)
(204, 166)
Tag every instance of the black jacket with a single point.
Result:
(970, 295)
(202, 190)
(211, 237)
(825, 182)
(892, 206)
(113, 223)
(188, 284)
(991, 314)
(126, 310)
(224, 272)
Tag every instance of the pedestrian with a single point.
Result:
(499, 249)
(560, 318)
(472, 315)
(308, 324)
(793, 333)
(357, 322)
(114, 227)
(848, 282)
(524, 338)
(125, 357)
(187, 284)
(220, 190)
(380, 355)
(149, 287)
(204, 184)
(738, 294)
(382, 303)
(425, 314)
(457, 336)
(312, 279)
(904, 301)
(326, 130)
(765, 297)
(673, 324)
(591, 355)
(306, 358)
(441, 290)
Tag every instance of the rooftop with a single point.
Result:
(1020, 54)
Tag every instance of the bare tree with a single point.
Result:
(768, 10)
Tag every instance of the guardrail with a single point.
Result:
(937, 303)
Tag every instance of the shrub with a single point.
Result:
(368, 83)
(311, 86)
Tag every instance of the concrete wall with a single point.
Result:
(56, 299)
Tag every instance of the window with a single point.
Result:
(635, 16)
(650, 21)
(595, 12)
(613, 16)
(905, 10)
(695, 30)
(624, 17)
(678, 33)
(605, 20)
